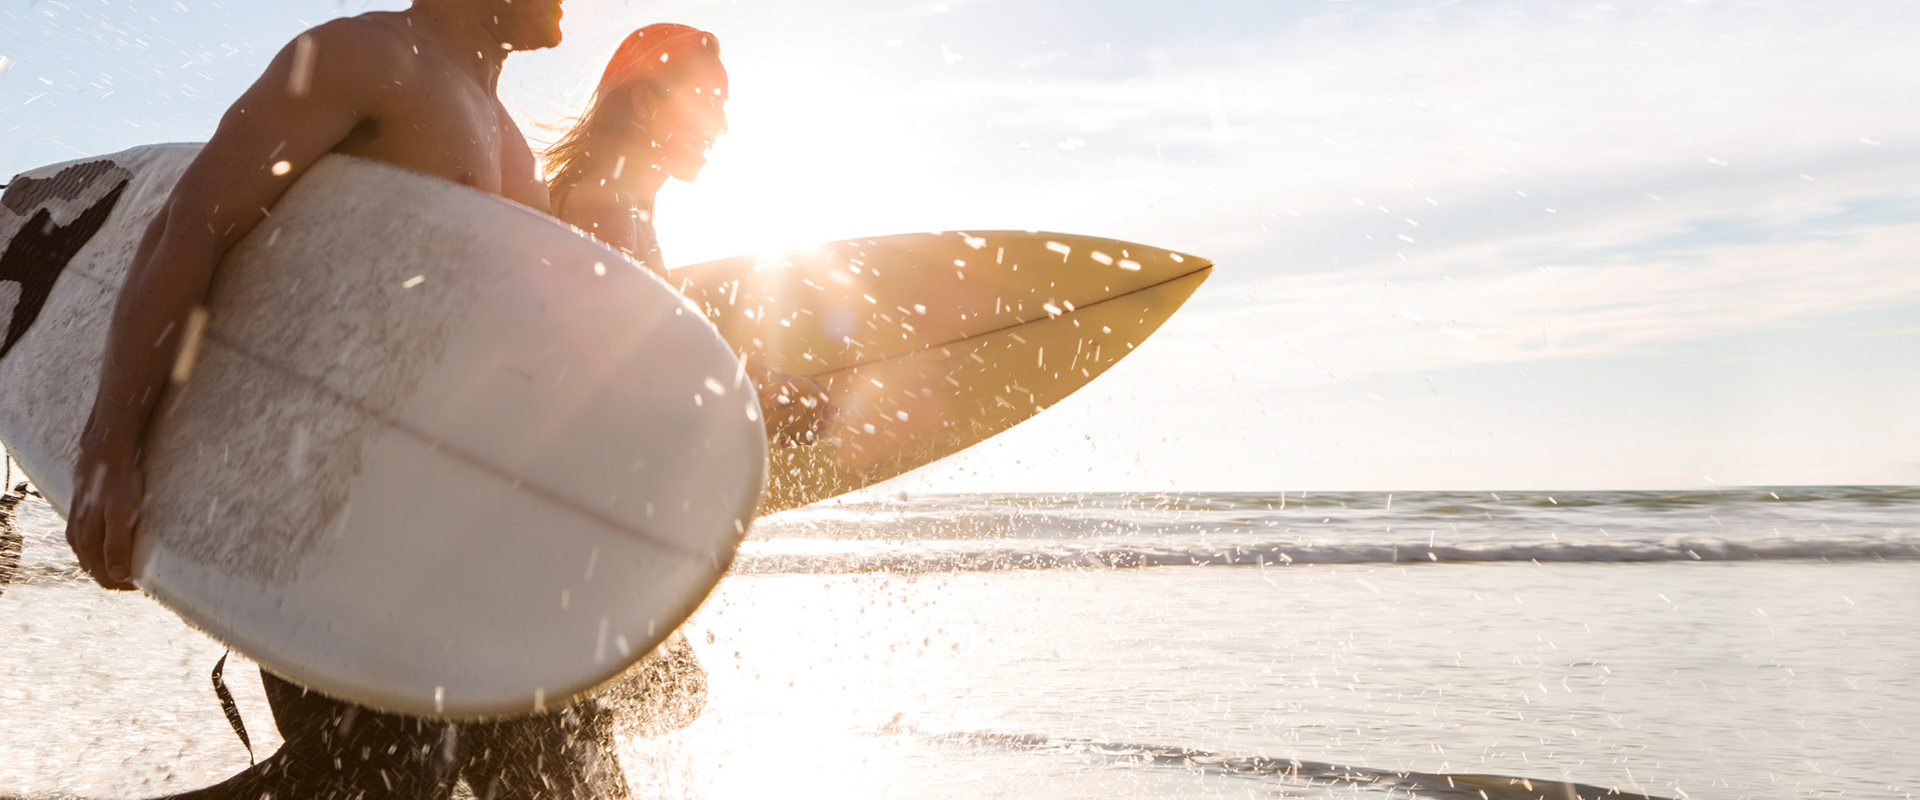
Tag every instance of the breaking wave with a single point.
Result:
(935, 533)
(765, 558)
(1292, 773)
(991, 532)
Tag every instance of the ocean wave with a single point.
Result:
(1765, 512)
(1419, 501)
(782, 557)
(1097, 531)
(1293, 772)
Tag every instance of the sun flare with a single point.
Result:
(807, 158)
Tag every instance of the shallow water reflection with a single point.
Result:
(1685, 680)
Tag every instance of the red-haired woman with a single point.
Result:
(659, 105)
(657, 109)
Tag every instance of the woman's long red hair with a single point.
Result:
(649, 55)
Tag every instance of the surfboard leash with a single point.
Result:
(228, 707)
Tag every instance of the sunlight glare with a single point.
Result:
(808, 157)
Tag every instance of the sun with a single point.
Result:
(808, 156)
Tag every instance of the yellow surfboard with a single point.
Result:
(931, 342)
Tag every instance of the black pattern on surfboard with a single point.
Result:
(41, 249)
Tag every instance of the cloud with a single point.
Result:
(1484, 183)
(1609, 299)
(1450, 103)
(1421, 189)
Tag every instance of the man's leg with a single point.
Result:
(340, 751)
(567, 755)
(572, 753)
(665, 692)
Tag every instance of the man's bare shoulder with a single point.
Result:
(374, 28)
(372, 45)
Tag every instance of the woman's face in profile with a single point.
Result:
(687, 116)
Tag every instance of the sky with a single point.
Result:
(1466, 245)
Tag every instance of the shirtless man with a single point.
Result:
(412, 88)
(415, 89)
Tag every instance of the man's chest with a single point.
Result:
(450, 125)
(452, 129)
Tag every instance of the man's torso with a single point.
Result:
(439, 120)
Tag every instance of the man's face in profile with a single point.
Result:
(523, 24)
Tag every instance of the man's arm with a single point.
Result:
(310, 98)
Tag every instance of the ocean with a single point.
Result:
(1741, 643)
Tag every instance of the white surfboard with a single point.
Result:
(929, 343)
(439, 454)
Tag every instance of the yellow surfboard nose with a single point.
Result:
(929, 343)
